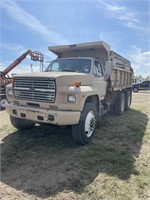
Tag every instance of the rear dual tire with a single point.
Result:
(128, 99)
(119, 107)
(122, 102)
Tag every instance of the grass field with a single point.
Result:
(46, 164)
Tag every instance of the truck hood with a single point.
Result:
(62, 78)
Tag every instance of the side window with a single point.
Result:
(98, 69)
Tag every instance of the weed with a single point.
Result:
(45, 163)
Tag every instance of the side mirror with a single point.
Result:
(107, 70)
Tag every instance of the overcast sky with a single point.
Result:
(37, 24)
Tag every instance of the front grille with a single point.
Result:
(35, 89)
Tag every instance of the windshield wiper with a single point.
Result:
(68, 70)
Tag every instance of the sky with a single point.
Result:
(37, 24)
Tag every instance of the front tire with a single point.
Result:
(83, 132)
(21, 124)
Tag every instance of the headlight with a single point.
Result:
(71, 98)
(9, 92)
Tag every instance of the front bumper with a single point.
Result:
(44, 115)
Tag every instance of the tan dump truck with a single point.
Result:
(86, 80)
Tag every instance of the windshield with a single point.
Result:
(72, 65)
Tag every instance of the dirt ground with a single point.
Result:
(44, 163)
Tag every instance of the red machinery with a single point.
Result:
(5, 79)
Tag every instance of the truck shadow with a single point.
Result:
(44, 161)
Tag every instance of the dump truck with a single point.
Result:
(86, 81)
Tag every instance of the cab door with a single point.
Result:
(99, 83)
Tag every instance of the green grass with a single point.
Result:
(44, 163)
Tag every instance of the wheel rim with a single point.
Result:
(90, 124)
(3, 102)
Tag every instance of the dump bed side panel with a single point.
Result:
(120, 79)
(119, 60)
(121, 72)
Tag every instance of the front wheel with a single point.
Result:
(83, 132)
(21, 124)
